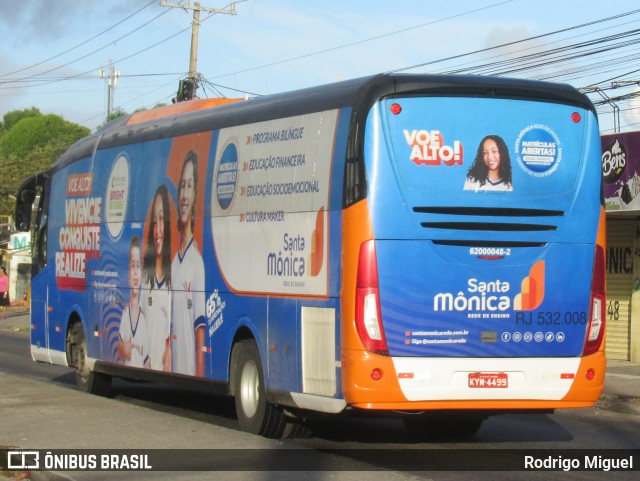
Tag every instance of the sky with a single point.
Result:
(52, 51)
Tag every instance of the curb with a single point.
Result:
(619, 403)
(49, 476)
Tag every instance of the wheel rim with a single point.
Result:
(249, 389)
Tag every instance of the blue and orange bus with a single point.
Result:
(431, 246)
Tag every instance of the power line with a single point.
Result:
(80, 75)
(359, 42)
(217, 86)
(599, 50)
(213, 12)
(556, 55)
(586, 57)
(97, 76)
(511, 53)
(609, 64)
(156, 44)
(85, 75)
(93, 52)
(626, 74)
(197, 8)
(80, 44)
(267, 65)
(516, 42)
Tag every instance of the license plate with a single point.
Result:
(488, 380)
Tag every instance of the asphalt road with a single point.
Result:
(167, 418)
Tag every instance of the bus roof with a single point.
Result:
(358, 94)
(177, 109)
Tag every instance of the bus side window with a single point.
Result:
(40, 238)
(41, 245)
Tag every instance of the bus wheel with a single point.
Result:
(255, 414)
(443, 426)
(297, 430)
(87, 380)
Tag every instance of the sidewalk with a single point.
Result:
(621, 390)
(621, 387)
(17, 319)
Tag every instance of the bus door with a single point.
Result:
(32, 214)
(40, 315)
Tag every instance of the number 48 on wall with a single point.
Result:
(613, 310)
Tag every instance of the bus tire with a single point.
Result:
(255, 414)
(297, 430)
(87, 380)
(443, 426)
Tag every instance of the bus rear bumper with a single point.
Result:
(471, 383)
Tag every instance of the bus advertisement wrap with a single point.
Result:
(269, 202)
(268, 230)
(503, 288)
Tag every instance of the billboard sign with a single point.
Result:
(621, 171)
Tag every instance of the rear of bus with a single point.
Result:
(476, 250)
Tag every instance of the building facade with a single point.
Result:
(621, 175)
(15, 257)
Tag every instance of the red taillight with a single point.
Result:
(595, 329)
(368, 318)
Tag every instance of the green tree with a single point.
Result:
(117, 113)
(32, 144)
(35, 133)
(10, 119)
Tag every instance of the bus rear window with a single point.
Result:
(462, 146)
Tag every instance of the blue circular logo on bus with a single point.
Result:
(538, 150)
(227, 176)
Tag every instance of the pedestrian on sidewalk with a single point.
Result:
(4, 291)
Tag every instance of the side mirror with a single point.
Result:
(24, 208)
(23, 217)
(27, 196)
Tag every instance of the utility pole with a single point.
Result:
(111, 77)
(188, 86)
(607, 100)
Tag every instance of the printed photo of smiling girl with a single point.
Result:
(491, 168)
(157, 269)
(133, 337)
(187, 280)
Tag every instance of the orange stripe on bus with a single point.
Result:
(178, 108)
